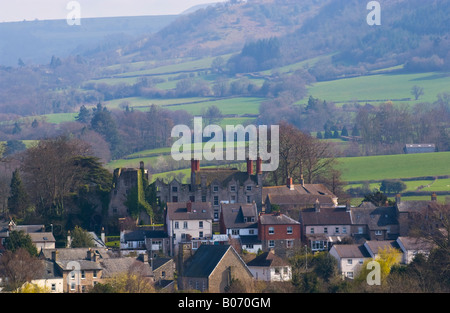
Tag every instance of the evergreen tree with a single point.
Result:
(84, 115)
(18, 202)
(344, 132)
(355, 131)
(18, 240)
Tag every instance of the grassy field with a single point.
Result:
(395, 166)
(382, 87)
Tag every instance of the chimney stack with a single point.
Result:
(302, 180)
(102, 235)
(195, 165)
(290, 183)
(69, 240)
(317, 206)
(55, 255)
(249, 167)
(189, 206)
(259, 166)
(398, 199)
(348, 207)
(433, 196)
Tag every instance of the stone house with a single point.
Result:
(215, 185)
(144, 240)
(213, 268)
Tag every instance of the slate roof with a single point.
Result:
(141, 234)
(414, 205)
(376, 218)
(223, 176)
(233, 215)
(412, 243)
(267, 259)
(200, 210)
(122, 265)
(326, 216)
(42, 237)
(351, 251)
(301, 195)
(205, 260)
(375, 245)
(276, 219)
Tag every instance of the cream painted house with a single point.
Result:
(350, 258)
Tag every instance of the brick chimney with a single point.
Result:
(302, 180)
(259, 166)
(189, 206)
(398, 198)
(290, 183)
(249, 167)
(433, 196)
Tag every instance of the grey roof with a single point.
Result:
(375, 245)
(301, 195)
(141, 234)
(70, 265)
(158, 262)
(276, 219)
(233, 214)
(412, 243)
(205, 260)
(73, 254)
(376, 218)
(326, 216)
(252, 239)
(123, 265)
(223, 176)
(200, 210)
(414, 205)
(351, 251)
(42, 237)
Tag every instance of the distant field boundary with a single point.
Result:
(401, 179)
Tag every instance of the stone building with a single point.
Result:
(215, 185)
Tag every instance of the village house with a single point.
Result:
(185, 222)
(292, 198)
(411, 246)
(350, 258)
(144, 240)
(269, 267)
(279, 232)
(374, 223)
(213, 268)
(51, 279)
(39, 237)
(216, 186)
(375, 246)
(240, 221)
(324, 225)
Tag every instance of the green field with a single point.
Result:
(395, 166)
(382, 87)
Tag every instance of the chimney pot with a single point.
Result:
(290, 183)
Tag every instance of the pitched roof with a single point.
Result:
(414, 205)
(223, 176)
(306, 194)
(412, 243)
(375, 245)
(200, 210)
(376, 218)
(233, 215)
(205, 260)
(42, 237)
(141, 234)
(326, 216)
(276, 219)
(267, 259)
(123, 265)
(351, 251)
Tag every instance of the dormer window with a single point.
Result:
(233, 188)
(215, 188)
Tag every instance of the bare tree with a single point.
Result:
(417, 92)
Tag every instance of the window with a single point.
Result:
(216, 200)
(72, 286)
(337, 230)
(271, 230)
(72, 275)
(200, 234)
(233, 199)
(192, 198)
(325, 230)
(174, 189)
(289, 244)
(344, 230)
(233, 188)
(378, 233)
(130, 245)
(360, 230)
(312, 230)
(177, 225)
(251, 231)
(215, 188)
(361, 261)
(249, 199)
(249, 188)
(174, 199)
(235, 232)
(350, 274)
(94, 274)
(349, 261)
(53, 287)
(289, 230)
(185, 225)
(200, 224)
(271, 243)
(203, 198)
(83, 274)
